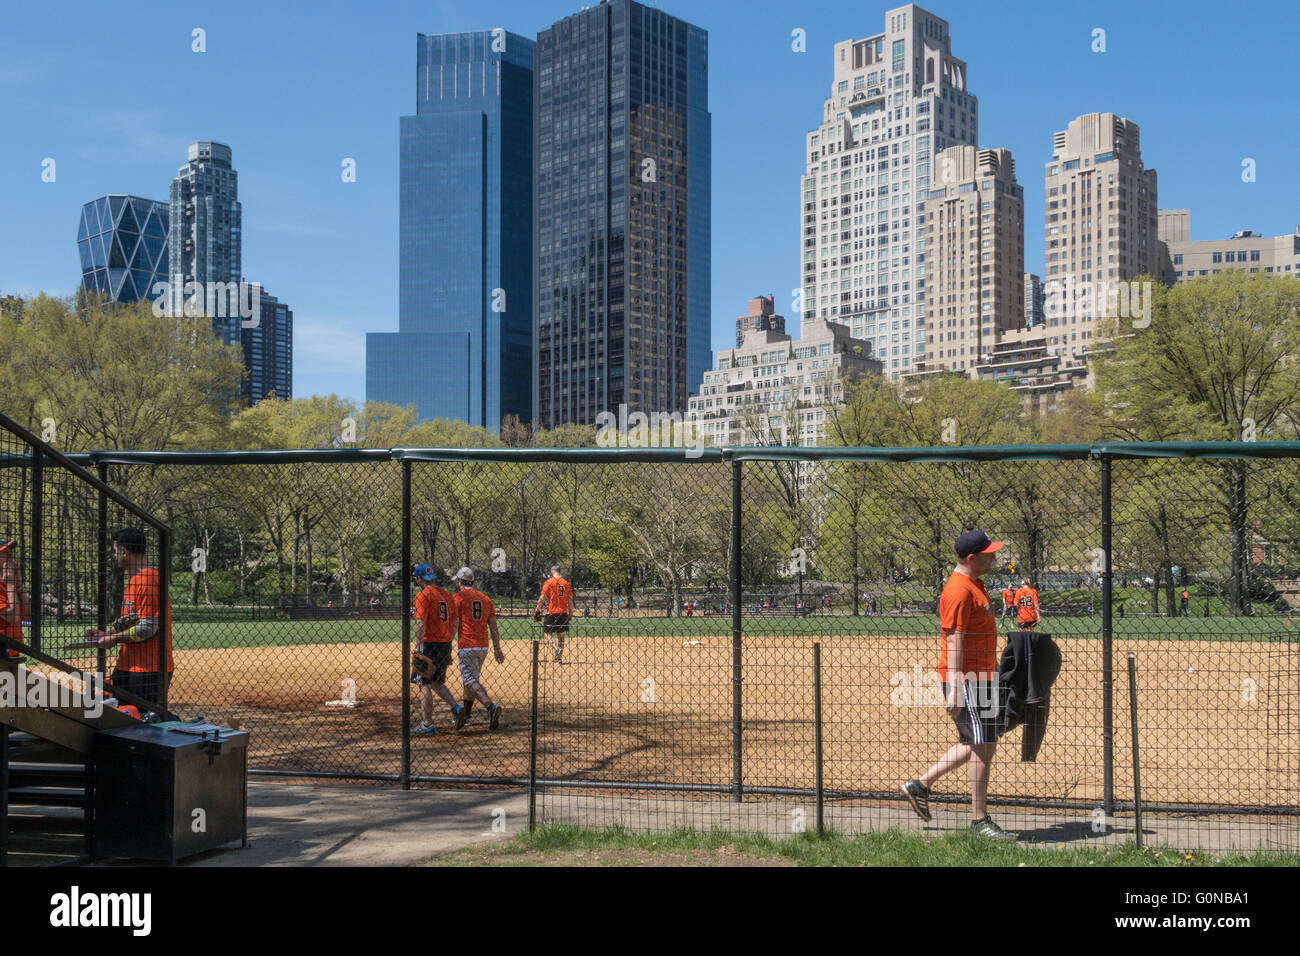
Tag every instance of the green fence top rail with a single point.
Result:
(583, 455)
(248, 456)
(934, 453)
(937, 453)
(1198, 449)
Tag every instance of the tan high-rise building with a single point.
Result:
(1190, 259)
(760, 317)
(896, 99)
(975, 256)
(1100, 228)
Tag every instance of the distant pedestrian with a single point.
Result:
(1186, 599)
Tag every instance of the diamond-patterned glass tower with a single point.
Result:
(123, 246)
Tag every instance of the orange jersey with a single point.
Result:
(437, 609)
(964, 606)
(1026, 600)
(1008, 597)
(475, 609)
(141, 597)
(557, 593)
(8, 628)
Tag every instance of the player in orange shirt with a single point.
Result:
(1028, 614)
(478, 618)
(436, 623)
(14, 602)
(1008, 600)
(558, 597)
(968, 666)
(137, 662)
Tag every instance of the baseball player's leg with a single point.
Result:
(980, 760)
(426, 705)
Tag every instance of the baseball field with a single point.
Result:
(651, 700)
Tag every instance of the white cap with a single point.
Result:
(464, 574)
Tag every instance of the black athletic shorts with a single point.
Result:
(141, 683)
(980, 718)
(440, 653)
(555, 623)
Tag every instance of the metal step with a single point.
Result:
(46, 797)
(47, 775)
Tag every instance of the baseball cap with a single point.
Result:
(425, 572)
(6, 543)
(464, 574)
(976, 542)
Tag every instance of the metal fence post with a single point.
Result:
(38, 544)
(532, 747)
(1107, 677)
(101, 597)
(405, 771)
(736, 631)
(817, 733)
(164, 614)
(1133, 718)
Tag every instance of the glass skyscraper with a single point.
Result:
(463, 349)
(123, 245)
(268, 351)
(206, 222)
(622, 193)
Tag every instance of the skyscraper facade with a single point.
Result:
(463, 349)
(974, 234)
(1034, 300)
(206, 229)
(1100, 225)
(122, 241)
(897, 99)
(268, 350)
(622, 213)
(1190, 259)
(760, 317)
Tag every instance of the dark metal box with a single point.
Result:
(165, 792)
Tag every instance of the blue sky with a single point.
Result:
(114, 93)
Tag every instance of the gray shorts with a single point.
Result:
(471, 663)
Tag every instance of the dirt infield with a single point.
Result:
(1219, 721)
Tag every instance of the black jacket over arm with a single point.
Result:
(1030, 664)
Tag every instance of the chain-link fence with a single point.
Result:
(754, 638)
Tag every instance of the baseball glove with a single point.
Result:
(537, 616)
(421, 664)
(124, 623)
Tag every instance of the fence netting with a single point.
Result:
(724, 651)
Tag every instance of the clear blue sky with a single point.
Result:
(113, 93)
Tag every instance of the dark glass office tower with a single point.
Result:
(122, 241)
(622, 197)
(268, 350)
(463, 349)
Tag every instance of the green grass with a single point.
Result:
(270, 630)
(887, 848)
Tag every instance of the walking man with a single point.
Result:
(558, 598)
(436, 623)
(477, 618)
(968, 666)
(1028, 613)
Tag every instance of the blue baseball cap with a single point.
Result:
(425, 572)
(976, 542)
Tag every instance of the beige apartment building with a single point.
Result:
(974, 223)
(1188, 259)
(1100, 225)
(773, 389)
(897, 98)
(1039, 372)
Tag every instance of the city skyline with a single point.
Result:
(310, 222)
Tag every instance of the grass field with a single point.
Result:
(561, 845)
(281, 632)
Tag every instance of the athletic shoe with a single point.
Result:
(987, 828)
(424, 730)
(494, 717)
(462, 715)
(919, 797)
(557, 657)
